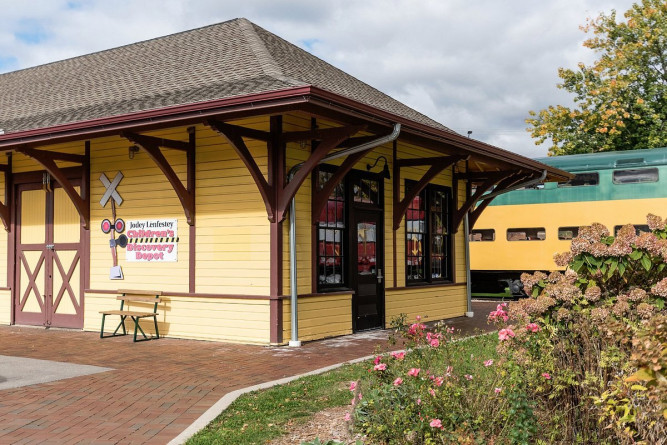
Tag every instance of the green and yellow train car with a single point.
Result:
(521, 230)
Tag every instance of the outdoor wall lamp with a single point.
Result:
(132, 150)
(385, 170)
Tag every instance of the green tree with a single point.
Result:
(621, 100)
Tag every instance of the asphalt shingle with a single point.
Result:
(224, 60)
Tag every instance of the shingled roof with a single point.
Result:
(229, 59)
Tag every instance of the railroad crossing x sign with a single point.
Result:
(111, 189)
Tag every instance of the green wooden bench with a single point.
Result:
(143, 297)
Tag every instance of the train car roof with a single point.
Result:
(608, 160)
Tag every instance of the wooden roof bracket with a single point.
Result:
(332, 139)
(491, 179)
(504, 184)
(151, 145)
(234, 135)
(47, 159)
(438, 164)
(5, 209)
(277, 196)
(320, 197)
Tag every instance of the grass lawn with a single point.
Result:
(262, 415)
(259, 416)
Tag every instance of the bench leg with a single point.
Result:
(102, 328)
(121, 324)
(115, 332)
(157, 333)
(136, 326)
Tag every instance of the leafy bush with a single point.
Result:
(440, 391)
(578, 338)
(582, 360)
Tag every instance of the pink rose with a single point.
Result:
(497, 390)
(435, 343)
(414, 372)
(468, 377)
(353, 386)
(533, 327)
(380, 367)
(488, 363)
(436, 423)
(377, 360)
(398, 355)
(546, 375)
(438, 381)
(505, 334)
(398, 381)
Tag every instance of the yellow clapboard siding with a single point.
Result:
(434, 303)
(6, 307)
(320, 317)
(244, 321)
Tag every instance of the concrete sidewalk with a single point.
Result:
(155, 389)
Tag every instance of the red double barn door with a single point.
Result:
(48, 286)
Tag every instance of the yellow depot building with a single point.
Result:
(243, 178)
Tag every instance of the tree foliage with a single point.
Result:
(621, 100)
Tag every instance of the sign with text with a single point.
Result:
(152, 240)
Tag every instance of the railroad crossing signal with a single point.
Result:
(111, 189)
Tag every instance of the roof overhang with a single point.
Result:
(307, 98)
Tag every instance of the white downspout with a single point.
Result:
(469, 311)
(295, 342)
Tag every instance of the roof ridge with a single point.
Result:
(264, 57)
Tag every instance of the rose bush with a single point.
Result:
(441, 391)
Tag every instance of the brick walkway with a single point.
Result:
(157, 388)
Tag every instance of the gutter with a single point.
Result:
(295, 342)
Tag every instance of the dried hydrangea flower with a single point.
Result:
(654, 222)
(593, 293)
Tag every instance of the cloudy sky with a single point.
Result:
(477, 65)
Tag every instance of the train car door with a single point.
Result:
(48, 282)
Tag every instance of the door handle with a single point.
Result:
(380, 277)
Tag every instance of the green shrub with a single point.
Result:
(574, 338)
(440, 391)
(583, 360)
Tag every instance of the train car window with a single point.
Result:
(567, 233)
(483, 235)
(639, 228)
(635, 175)
(527, 234)
(581, 179)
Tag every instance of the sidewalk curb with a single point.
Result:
(226, 400)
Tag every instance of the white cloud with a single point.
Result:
(477, 66)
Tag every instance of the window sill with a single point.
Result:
(425, 285)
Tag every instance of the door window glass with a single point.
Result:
(366, 240)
